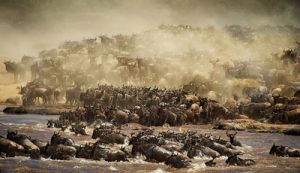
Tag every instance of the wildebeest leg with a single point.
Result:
(210, 163)
(15, 77)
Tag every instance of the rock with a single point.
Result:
(15, 110)
(34, 110)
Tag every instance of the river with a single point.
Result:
(255, 145)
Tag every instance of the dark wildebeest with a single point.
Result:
(10, 148)
(284, 151)
(233, 139)
(73, 95)
(108, 153)
(235, 160)
(25, 141)
(58, 139)
(18, 69)
(34, 93)
(60, 152)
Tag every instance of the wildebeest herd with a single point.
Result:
(156, 107)
(107, 108)
(173, 149)
(149, 92)
(138, 60)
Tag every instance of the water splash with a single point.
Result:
(159, 170)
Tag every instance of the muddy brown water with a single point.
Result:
(256, 146)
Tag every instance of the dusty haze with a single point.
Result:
(29, 26)
(228, 31)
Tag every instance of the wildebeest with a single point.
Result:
(10, 148)
(25, 141)
(254, 110)
(85, 151)
(79, 129)
(178, 161)
(18, 69)
(57, 139)
(73, 95)
(159, 154)
(233, 139)
(60, 151)
(212, 110)
(292, 116)
(235, 160)
(33, 93)
(108, 153)
(283, 151)
(108, 136)
(42, 145)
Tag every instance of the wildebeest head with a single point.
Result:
(232, 160)
(56, 134)
(203, 101)
(10, 66)
(231, 135)
(50, 123)
(11, 134)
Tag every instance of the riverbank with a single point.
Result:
(257, 127)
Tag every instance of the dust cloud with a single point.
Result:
(184, 41)
(28, 27)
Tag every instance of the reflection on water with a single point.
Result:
(256, 146)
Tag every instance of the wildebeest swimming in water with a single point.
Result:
(233, 139)
(159, 154)
(108, 153)
(25, 141)
(57, 139)
(166, 147)
(235, 160)
(42, 145)
(108, 136)
(60, 152)
(63, 124)
(284, 151)
(10, 148)
(79, 129)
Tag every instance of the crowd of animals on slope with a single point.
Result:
(218, 63)
(168, 82)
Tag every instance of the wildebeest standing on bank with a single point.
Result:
(31, 94)
(73, 95)
(18, 69)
